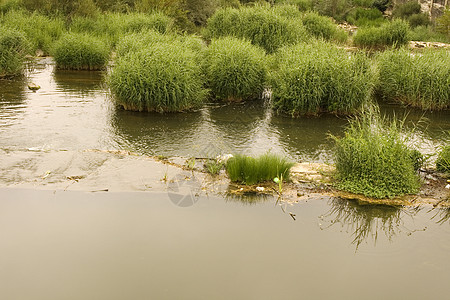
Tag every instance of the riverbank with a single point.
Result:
(122, 171)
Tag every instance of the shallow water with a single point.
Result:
(75, 245)
(73, 111)
(146, 245)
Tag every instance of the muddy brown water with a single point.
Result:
(175, 243)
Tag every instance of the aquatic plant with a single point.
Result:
(213, 166)
(112, 26)
(161, 77)
(260, 24)
(136, 41)
(252, 170)
(393, 34)
(13, 47)
(41, 31)
(319, 77)
(420, 80)
(80, 52)
(234, 69)
(443, 161)
(323, 27)
(373, 158)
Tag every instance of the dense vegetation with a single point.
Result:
(373, 158)
(250, 170)
(420, 80)
(394, 34)
(13, 47)
(443, 161)
(319, 77)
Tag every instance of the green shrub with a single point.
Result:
(261, 25)
(418, 20)
(443, 161)
(249, 170)
(420, 80)
(428, 34)
(13, 47)
(319, 77)
(321, 27)
(365, 17)
(443, 23)
(77, 51)
(136, 41)
(394, 34)
(235, 70)
(114, 25)
(407, 9)
(162, 77)
(373, 159)
(301, 5)
(41, 31)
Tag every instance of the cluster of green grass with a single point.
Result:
(421, 80)
(41, 31)
(373, 159)
(429, 34)
(163, 77)
(250, 170)
(443, 161)
(319, 77)
(392, 34)
(323, 27)
(112, 26)
(13, 47)
(365, 17)
(235, 70)
(135, 41)
(77, 51)
(260, 24)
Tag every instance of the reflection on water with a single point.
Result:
(367, 222)
(78, 83)
(248, 198)
(441, 215)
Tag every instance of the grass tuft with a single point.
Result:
(76, 51)
(373, 158)
(421, 80)
(319, 77)
(443, 161)
(249, 170)
(323, 27)
(13, 47)
(393, 34)
(235, 69)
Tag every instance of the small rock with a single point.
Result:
(33, 86)
(447, 186)
(260, 189)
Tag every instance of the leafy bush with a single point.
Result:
(249, 170)
(301, 5)
(394, 34)
(41, 31)
(443, 23)
(407, 9)
(235, 69)
(162, 77)
(373, 158)
(428, 34)
(77, 51)
(365, 17)
(262, 25)
(420, 80)
(321, 26)
(112, 26)
(443, 161)
(13, 47)
(319, 77)
(418, 20)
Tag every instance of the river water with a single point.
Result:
(57, 244)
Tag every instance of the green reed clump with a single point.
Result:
(252, 170)
(41, 31)
(235, 70)
(112, 26)
(77, 51)
(393, 34)
(139, 40)
(373, 158)
(319, 77)
(213, 166)
(163, 77)
(443, 160)
(13, 47)
(417, 79)
(323, 27)
(260, 24)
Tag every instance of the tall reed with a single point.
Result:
(319, 77)
(162, 77)
(13, 47)
(260, 24)
(392, 34)
(235, 69)
(373, 158)
(250, 170)
(418, 79)
(443, 161)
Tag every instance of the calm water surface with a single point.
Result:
(78, 245)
